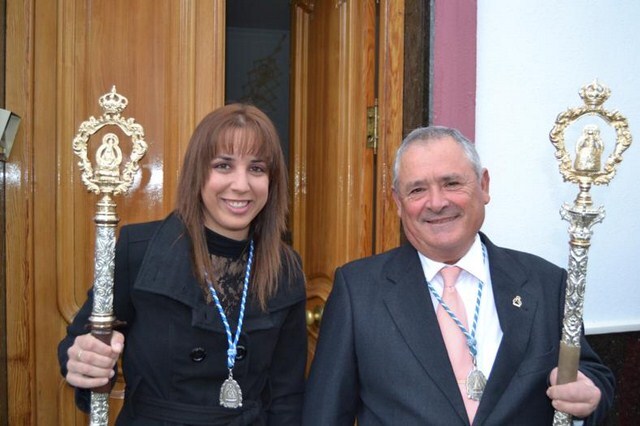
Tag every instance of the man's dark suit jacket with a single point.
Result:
(381, 357)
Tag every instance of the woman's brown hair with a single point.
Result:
(238, 129)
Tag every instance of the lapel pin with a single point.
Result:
(517, 302)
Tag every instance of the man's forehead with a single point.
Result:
(426, 178)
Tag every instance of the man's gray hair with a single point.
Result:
(427, 134)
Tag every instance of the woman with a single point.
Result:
(212, 299)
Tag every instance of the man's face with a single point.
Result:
(440, 199)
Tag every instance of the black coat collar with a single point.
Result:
(167, 270)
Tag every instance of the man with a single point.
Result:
(382, 356)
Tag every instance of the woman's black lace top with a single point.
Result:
(229, 258)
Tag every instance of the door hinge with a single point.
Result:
(372, 126)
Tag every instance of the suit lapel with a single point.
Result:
(509, 280)
(409, 304)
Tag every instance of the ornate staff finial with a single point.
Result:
(585, 170)
(107, 178)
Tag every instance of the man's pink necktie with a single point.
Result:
(454, 338)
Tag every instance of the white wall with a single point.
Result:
(533, 58)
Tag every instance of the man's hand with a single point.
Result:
(579, 398)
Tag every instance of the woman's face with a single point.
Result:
(234, 193)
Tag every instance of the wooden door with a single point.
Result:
(167, 58)
(347, 58)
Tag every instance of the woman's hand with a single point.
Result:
(91, 362)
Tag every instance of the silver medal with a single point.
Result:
(475, 384)
(230, 393)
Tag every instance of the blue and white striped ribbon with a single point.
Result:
(232, 341)
(471, 336)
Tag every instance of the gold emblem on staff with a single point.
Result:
(586, 168)
(107, 177)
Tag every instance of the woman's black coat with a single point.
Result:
(174, 360)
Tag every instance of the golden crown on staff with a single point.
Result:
(106, 179)
(586, 169)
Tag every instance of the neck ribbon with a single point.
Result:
(471, 336)
(232, 341)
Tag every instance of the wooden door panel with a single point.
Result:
(333, 169)
(390, 86)
(342, 205)
(123, 43)
(164, 57)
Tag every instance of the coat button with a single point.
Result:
(198, 354)
(241, 352)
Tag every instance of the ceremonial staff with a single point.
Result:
(106, 180)
(585, 170)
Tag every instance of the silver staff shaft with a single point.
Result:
(102, 318)
(581, 218)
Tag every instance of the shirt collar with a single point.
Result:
(472, 262)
